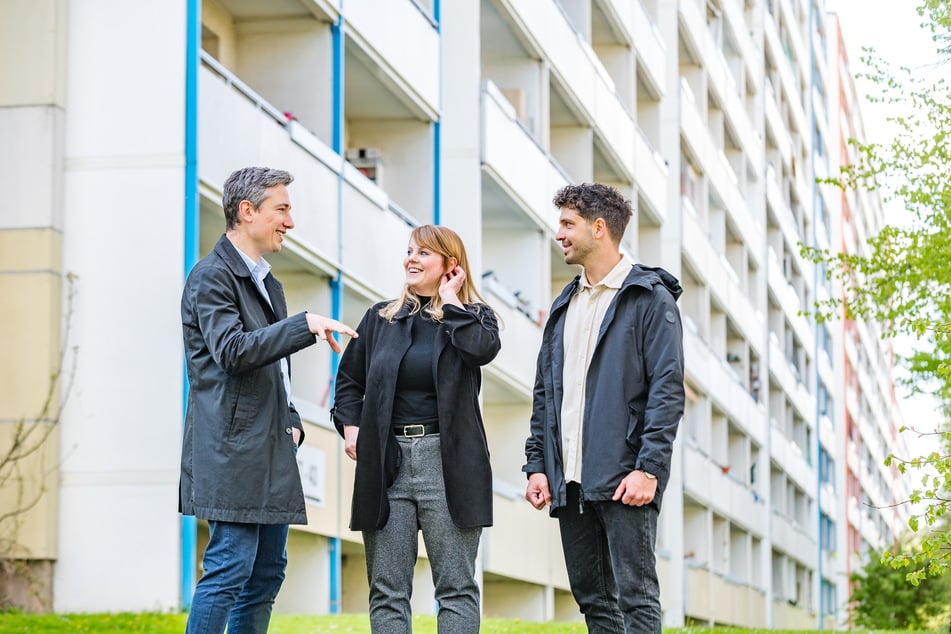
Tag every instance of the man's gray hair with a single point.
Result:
(251, 184)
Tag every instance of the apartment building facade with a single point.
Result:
(874, 517)
(713, 116)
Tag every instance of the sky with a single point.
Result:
(892, 28)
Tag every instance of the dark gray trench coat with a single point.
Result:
(238, 462)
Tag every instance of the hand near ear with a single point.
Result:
(451, 285)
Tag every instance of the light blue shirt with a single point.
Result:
(259, 271)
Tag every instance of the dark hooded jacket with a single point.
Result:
(238, 462)
(634, 390)
(366, 387)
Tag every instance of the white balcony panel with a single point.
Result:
(774, 196)
(378, 237)
(828, 501)
(721, 79)
(517, 162)
(266, 141)
(651, 176)
(827, 434)
(734, 601)
(615, 125)
(798, 46)
(786, 76)
(623, 16)
(521, 340)
(504, 550)
(695, 133)
(331, 9)
(726, 495)
(794, 541)
(775, 122)
(852, 456)
(386, 26)
(579, 69)
(715, 377)
(649, 47)
(721, 281)
(788, 455)
(743, 40)
(789, 301)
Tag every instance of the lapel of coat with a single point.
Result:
(230, 256)
(442, 338)
(276, 293)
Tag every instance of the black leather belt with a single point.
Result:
(416, 431)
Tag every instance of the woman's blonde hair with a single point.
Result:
(446, 243)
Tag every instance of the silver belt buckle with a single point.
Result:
(407, 434)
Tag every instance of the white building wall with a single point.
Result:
(118, 533)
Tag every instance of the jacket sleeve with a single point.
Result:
(535, 444)
(236, 350)
(664, 366)
(350, 384)
(473, 332)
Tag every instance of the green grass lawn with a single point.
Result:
(16, 623)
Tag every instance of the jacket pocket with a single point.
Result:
(246, 403)
(635, 427)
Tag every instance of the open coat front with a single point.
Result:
(366, 386)
(238, 462)
(634, 389)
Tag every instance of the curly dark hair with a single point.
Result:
(594, 200)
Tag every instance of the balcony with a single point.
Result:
(706, 480)
(714, 376)
(372, 220)
(771, 35)
(576, 65)
(651, 176)
(794, 541)
(521, 339)
(711, 596)
(651, 53)
(383, 37)
(694, 132)
(788, 455)
(827, 434)
(504, 551)
(720, 79)
(775, 122)
(744, 43)
(516, 162)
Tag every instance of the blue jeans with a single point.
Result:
(243, 571)
(609, 553)
(418, 503)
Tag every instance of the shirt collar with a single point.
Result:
(615, 277)
(259, 269)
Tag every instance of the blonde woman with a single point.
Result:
(406, 403)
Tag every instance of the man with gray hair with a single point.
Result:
(239, 470)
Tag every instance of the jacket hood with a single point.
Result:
(644, 276)
(648, 276)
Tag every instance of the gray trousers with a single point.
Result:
(418, 502)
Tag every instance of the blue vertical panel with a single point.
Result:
(338, 34)
(437, 172)
(192, 61)
(437, 130)
(817, 379)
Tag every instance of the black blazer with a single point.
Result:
(366, 386)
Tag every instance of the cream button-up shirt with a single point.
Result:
(586, 311)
